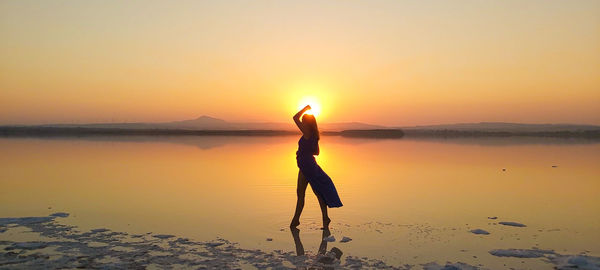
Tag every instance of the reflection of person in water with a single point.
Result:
(323, 256)
(310, 172)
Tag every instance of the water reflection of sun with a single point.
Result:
(314, 104)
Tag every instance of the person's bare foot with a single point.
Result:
(294, 223)
(326, 222)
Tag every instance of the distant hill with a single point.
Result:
(202, 122)
(210, 123)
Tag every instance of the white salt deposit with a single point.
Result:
(163, 236)
(329, 239)
(25, 220)
(521, 253)
(479, 231)
(510, 223)
(27, 245)
(583, 262)
(60, 214)
(449, 266)
(345, 239)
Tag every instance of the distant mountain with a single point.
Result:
(506, 127)
(210, 123)
(202, 122)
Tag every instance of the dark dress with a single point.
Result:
(319, 181)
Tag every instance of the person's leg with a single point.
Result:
(300, 192)
(323, 205)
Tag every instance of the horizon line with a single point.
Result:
(283, 122)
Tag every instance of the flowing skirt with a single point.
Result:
(319, 181)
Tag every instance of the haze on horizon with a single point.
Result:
(394, 63)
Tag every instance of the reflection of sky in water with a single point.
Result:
(405, 200)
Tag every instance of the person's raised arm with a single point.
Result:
(297, 118)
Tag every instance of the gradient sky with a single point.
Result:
(383, 62)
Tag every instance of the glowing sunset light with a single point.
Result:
(314, 103)
(238, 127)
(459, 62)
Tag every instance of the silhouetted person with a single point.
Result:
(310, 172)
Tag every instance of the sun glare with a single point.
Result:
(314, 104)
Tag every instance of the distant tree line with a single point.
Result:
(24, 131)
(591, 134)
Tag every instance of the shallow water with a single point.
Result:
(405, 201)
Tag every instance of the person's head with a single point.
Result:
(309, 121)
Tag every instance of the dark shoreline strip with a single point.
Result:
(46, 131)
(587, 134)
(84, 131)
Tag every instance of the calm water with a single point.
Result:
(405, 201)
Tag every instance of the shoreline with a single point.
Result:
(51, 131)
(65, 246)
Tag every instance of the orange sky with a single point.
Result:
(382, 62)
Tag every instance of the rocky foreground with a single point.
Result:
(63, 246)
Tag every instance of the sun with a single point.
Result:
(314, 104)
